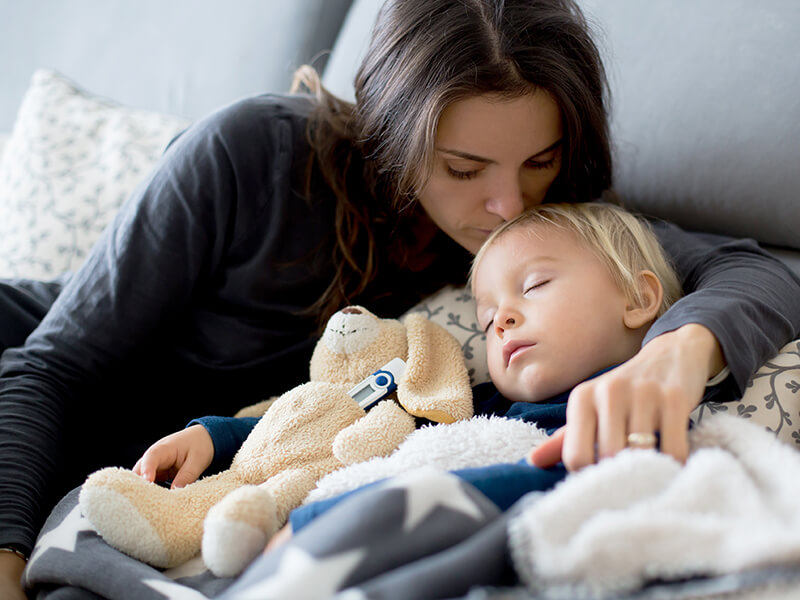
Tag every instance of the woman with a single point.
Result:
(206, 292)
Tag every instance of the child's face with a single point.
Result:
(552, 313)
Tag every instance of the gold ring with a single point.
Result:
(642, 440)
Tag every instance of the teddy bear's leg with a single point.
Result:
(378, 433)
(238, 528)
(148, 522)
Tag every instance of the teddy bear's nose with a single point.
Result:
(351, 310)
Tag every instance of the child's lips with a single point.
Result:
(514, 348)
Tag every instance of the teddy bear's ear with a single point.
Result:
(435, 384)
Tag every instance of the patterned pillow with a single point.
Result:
(70, 161)
(772, 398)
(3, 143)
(454, 309)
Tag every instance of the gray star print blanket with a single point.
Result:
(639, 526)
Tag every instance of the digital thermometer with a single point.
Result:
(378, 385)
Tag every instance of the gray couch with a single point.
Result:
(706, 95)
(182, 57)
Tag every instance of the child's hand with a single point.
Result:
(181, 456)
(653, 392)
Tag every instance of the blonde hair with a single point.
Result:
(624, 242)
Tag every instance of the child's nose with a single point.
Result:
(505, 320)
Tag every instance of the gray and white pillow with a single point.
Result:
(772, 398)
(71, 160)
(454, 309)
(3, 143)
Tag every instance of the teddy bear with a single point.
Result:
(304, 434)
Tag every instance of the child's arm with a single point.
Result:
(185, 455)
(181, 457)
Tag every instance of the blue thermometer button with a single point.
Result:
(378, 385)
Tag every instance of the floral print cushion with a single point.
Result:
(70, 161)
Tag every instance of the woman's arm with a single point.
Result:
(748, 299)
(154, 261)
(11, 567)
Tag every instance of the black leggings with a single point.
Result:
(94, 437)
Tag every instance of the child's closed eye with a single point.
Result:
(487, 317)
(536, 286)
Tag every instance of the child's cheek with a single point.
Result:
(494, 354)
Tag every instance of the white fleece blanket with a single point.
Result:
(476, 442)
(642, 516)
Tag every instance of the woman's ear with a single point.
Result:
(650, 296)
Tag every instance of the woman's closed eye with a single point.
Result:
(541, 164)
(459, 174)
(463, 174)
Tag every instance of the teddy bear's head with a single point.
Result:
(356, 343)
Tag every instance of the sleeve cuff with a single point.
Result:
(719, 377)
(227, 435)
(14, 550)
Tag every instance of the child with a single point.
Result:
(564, 292)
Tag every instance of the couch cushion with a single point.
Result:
(72, 159)
(706, 112)
(350, 47)
(183, 57)
(3, 142)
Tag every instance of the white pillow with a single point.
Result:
(3, 143)
(70, 162)
(772, 398)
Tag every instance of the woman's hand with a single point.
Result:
(181, 457)
(11, 567)
(653, 392)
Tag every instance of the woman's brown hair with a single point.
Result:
(425, 55)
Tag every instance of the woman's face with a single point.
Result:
(494, 157)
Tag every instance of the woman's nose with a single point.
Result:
(505, 199)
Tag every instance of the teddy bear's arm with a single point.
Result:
(378, 433)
